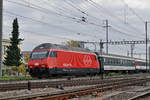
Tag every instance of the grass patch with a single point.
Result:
(15, 78)
(113, 74)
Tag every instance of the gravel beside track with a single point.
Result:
(54, 84)
(46, 89)
(80, 88)
(73, 78)
(17, 85)
(125, 93)
(11, 94)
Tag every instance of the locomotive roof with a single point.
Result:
(60, 47)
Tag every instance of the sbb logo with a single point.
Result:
(87, 60)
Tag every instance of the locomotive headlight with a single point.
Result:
(43, 65)
(30, 66)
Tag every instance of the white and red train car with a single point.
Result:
(50, 59)
(117, 63)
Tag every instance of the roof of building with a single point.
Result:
(6, 40)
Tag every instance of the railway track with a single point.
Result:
(143, 96)
(72, 77)
(18, 85)
(55, 84)
(66, 94)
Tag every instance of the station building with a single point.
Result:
(5, 43)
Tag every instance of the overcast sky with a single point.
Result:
(58, 21)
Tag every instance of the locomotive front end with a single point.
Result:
(37, 63)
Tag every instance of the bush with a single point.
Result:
(113, 74)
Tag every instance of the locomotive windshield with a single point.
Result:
(39, 54)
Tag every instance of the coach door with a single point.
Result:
(101, 63)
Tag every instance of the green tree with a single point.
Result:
(26, 58)
(13, 57)
(73, 43)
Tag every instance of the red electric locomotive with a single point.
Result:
(51, 59)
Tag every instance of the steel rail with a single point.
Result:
(90, 91)
(55, 84)
(141, 96)
(82, 91)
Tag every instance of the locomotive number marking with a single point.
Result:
(67, 65)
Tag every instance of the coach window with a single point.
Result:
(108, 60)
(119, 61)
(111, 60)
(133, 63)
(53, 54)
(128, 63)
(124, 62)
(114, 61)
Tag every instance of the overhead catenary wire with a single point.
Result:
(97, 18)
(124, 33)
(79, 20)
(96, 25)
(41, 34)
(59, 9)
(47, 24)
(138, 16)
(57, 13)
(75, 20)
(40, 9)
(98, 6)
(79, 9)
(83, 12)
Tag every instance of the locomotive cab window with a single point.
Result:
(52, 54)
(39, 54)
